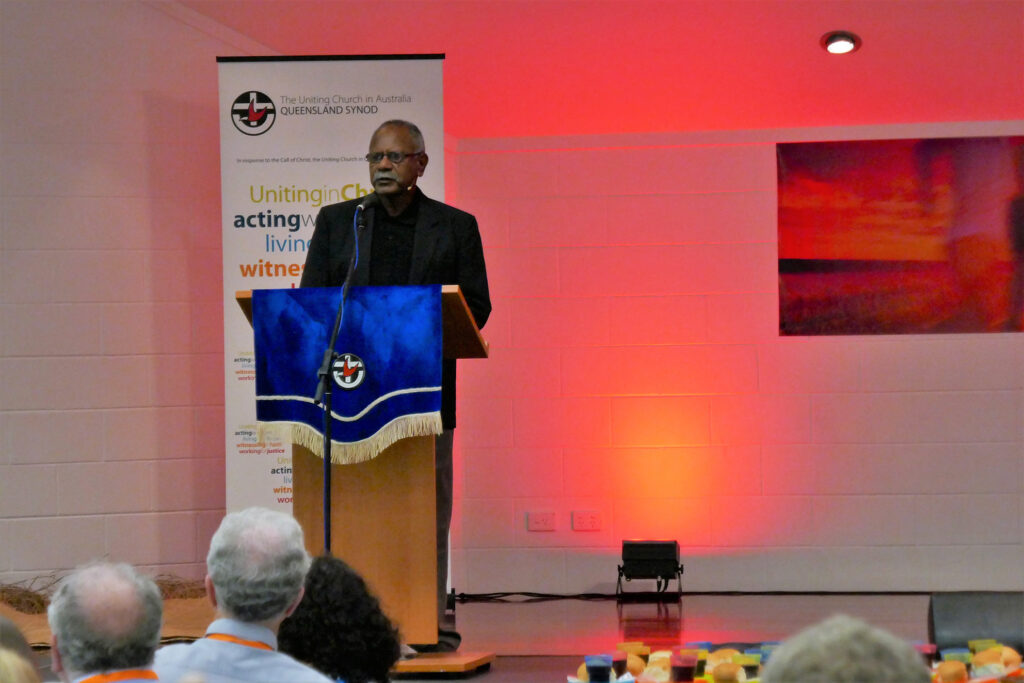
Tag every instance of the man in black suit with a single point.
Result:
(411, 240)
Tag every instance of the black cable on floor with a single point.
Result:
(530, 597)
(522, 597)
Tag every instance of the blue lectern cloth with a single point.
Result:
(394, 331)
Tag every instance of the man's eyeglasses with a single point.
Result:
(394, 157)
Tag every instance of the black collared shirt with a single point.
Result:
(391, 246)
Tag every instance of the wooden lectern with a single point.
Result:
(383, 510)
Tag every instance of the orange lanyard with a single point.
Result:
(144, 674)
(239, 641)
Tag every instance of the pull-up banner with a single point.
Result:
(294, 132)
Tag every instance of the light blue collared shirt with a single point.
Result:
(218, 661)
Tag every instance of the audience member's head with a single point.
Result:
(842, 649)
(256, 566)
(14, 668)
(12, 639)
(339, 627)
(103, 617)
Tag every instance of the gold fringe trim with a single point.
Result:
(425, 424)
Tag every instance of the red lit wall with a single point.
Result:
(637, 371)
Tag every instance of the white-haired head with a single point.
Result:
(106, 616)
(257, 564)
(842, 649)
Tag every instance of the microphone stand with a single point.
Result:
(324, 374)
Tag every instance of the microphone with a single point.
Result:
(371, 200)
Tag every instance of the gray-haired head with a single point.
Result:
(257, 563)
(106, 616)
(842, 649)
(414, 131)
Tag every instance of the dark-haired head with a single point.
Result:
(339, 627)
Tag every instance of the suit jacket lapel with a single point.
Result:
(361, 277)
(424, 241)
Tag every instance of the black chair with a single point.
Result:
(957, 617)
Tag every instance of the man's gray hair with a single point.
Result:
(106, 616)
(257, 563)
(414, 131)
(842, 649)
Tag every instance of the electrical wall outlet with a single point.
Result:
(586, 520)
(541, 520)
